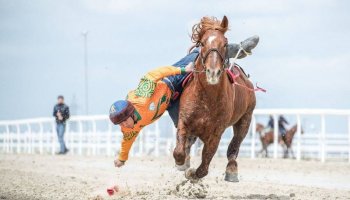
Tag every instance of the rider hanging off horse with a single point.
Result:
(211, 92)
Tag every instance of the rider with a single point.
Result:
(158, 90)
(281, 124)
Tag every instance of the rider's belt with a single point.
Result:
(174, 94)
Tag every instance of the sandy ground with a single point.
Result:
(73, 177)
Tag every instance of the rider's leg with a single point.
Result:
(247, 46)
(173, 110)
(191, 57)
(176, 84)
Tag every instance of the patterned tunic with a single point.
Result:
(150, 99)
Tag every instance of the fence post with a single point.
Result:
(18, 138)
(252, 155)
(322, 137)
(275, 136)
(30, 144)
(70, 137)
(41, 137)
(299, 137)
(157, 140)
(141, 138)
(94, 151)
(53, 144)
(349, 137)
(80, 151)
(109, 138)
(8, 138)
(3, 142)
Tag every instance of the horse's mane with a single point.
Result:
(206, 23)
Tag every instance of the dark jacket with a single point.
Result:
(281, 122)
(64, 109)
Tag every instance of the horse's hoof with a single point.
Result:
(185, 166)
(182, 167)
(231, 177)
(190, 174)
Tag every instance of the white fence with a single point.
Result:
(95, 135)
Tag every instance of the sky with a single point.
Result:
(302, 59)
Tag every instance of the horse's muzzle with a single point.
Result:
(213, 76)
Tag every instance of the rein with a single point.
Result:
(235, 76)
(204, 58)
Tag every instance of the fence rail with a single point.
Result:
(95, 135)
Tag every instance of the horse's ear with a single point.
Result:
(224, 22)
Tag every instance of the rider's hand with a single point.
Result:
(189, 67)
(118, 163)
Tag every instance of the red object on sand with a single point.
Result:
(112, 189)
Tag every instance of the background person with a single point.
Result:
(61, 113)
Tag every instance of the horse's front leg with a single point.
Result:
(209, 149)
(240, 131)
(190, 140)
(179, 151)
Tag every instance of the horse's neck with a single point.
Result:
(293, 131)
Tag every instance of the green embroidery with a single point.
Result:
(130, 135)
(162, 100)
(146, 88)
(138, 116)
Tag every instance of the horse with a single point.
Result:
(267, 138)
(210, 103)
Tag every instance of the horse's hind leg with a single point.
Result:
(240, 131)
(190, 140)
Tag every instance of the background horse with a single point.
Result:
(266, 139)
(210, 103)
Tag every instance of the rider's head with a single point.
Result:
(122, 113)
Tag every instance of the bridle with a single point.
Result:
(224, 60)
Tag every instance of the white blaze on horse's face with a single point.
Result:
(211, 38)
(213, 61)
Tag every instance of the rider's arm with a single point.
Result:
(161, 72)
(128, 139)
(54, 113)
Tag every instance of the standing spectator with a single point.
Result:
(61, 113)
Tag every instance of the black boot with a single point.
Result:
(247, 46)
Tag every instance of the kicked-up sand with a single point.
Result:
(74, 177)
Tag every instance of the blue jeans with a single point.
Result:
(61, 128)
(173, 108)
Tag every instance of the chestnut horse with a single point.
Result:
(210, 103)
(266, 139)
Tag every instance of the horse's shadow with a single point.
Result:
(262, 196)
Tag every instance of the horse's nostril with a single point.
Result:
(207, 70)
(219, 72)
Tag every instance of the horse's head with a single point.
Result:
(294, 129)
(259, 128)
(209, 34)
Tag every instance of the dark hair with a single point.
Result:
(60, 97)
